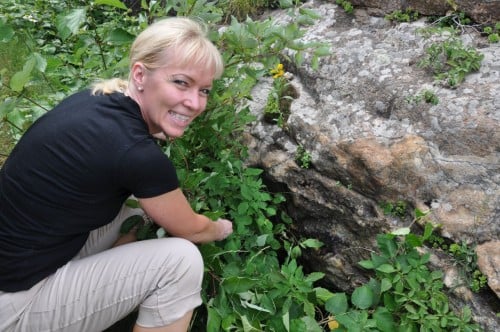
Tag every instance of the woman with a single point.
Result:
(63, 188)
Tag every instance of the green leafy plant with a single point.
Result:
(346, 5)
(408, 15)
(458, 21)
(277, 109)
(492, 33)
(397, 209)
(403, 295)
(465, 258)
(427, 96)
(450, 61)
(303, 157)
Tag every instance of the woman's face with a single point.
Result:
(171, 97)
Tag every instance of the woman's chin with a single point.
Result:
(174, 133)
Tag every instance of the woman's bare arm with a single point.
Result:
(173, 212)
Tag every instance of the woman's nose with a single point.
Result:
(193, 100)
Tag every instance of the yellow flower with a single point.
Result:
(333, 324)
(278, 71)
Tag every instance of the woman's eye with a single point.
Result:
(180, 82)
(206, 92)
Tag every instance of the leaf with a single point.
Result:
(253, 171)
(112, 3)
(312, 243)
(367, 264)
(130, 223)
(6, 107)
(401, 231)
(247, 326)
(22, 77)
(362, 297)
(261, 240)
(427, 231)
(384, 319)
(243, 208)
(69, 24)
(323, 294)
(322, 51)
(387, 244)
(309, 12)
(246, 304)
(311, 324)
(234, 285)
(213, 320)
(40, 62)
(385, 285)
(6, 32)
(413, 240)
(286, 320)
(119, 36)
(386, 268)
(314, 276)
(337, 304)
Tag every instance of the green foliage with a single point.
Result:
(241, 9)
(409, 15)
(450, 61)
(253, 280)
(403, 295)
(303, 157)
(346, 5)
(397, 209)
(464, 258)
(427, 96)
(492, 33)
(279, 100)
(455, 20)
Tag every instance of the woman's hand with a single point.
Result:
(173, 212)
(224, 228)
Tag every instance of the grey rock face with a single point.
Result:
(370, 142)
(481, 11)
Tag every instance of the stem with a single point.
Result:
(13, 125)
(43, 73)
(101, 51)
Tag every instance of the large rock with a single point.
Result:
(372, 141)
(481, 11)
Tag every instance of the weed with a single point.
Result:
(403, 295)
(346, 5)
(492, 33)
(450, 61)
(303, 157)
(465, 258)
(277, 109)
(397, 209)
(409, 15)
(427, 96)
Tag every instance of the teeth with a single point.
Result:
(179, 117)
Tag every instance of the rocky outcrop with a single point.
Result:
(481, 11)
(371, 140)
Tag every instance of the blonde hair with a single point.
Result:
(161, 41)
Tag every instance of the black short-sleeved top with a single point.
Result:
(69, 174)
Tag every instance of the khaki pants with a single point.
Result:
(161, 277)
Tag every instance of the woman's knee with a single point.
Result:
(184, 258)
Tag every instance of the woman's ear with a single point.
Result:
(138, 72)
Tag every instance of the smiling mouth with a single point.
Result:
(183, 119)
